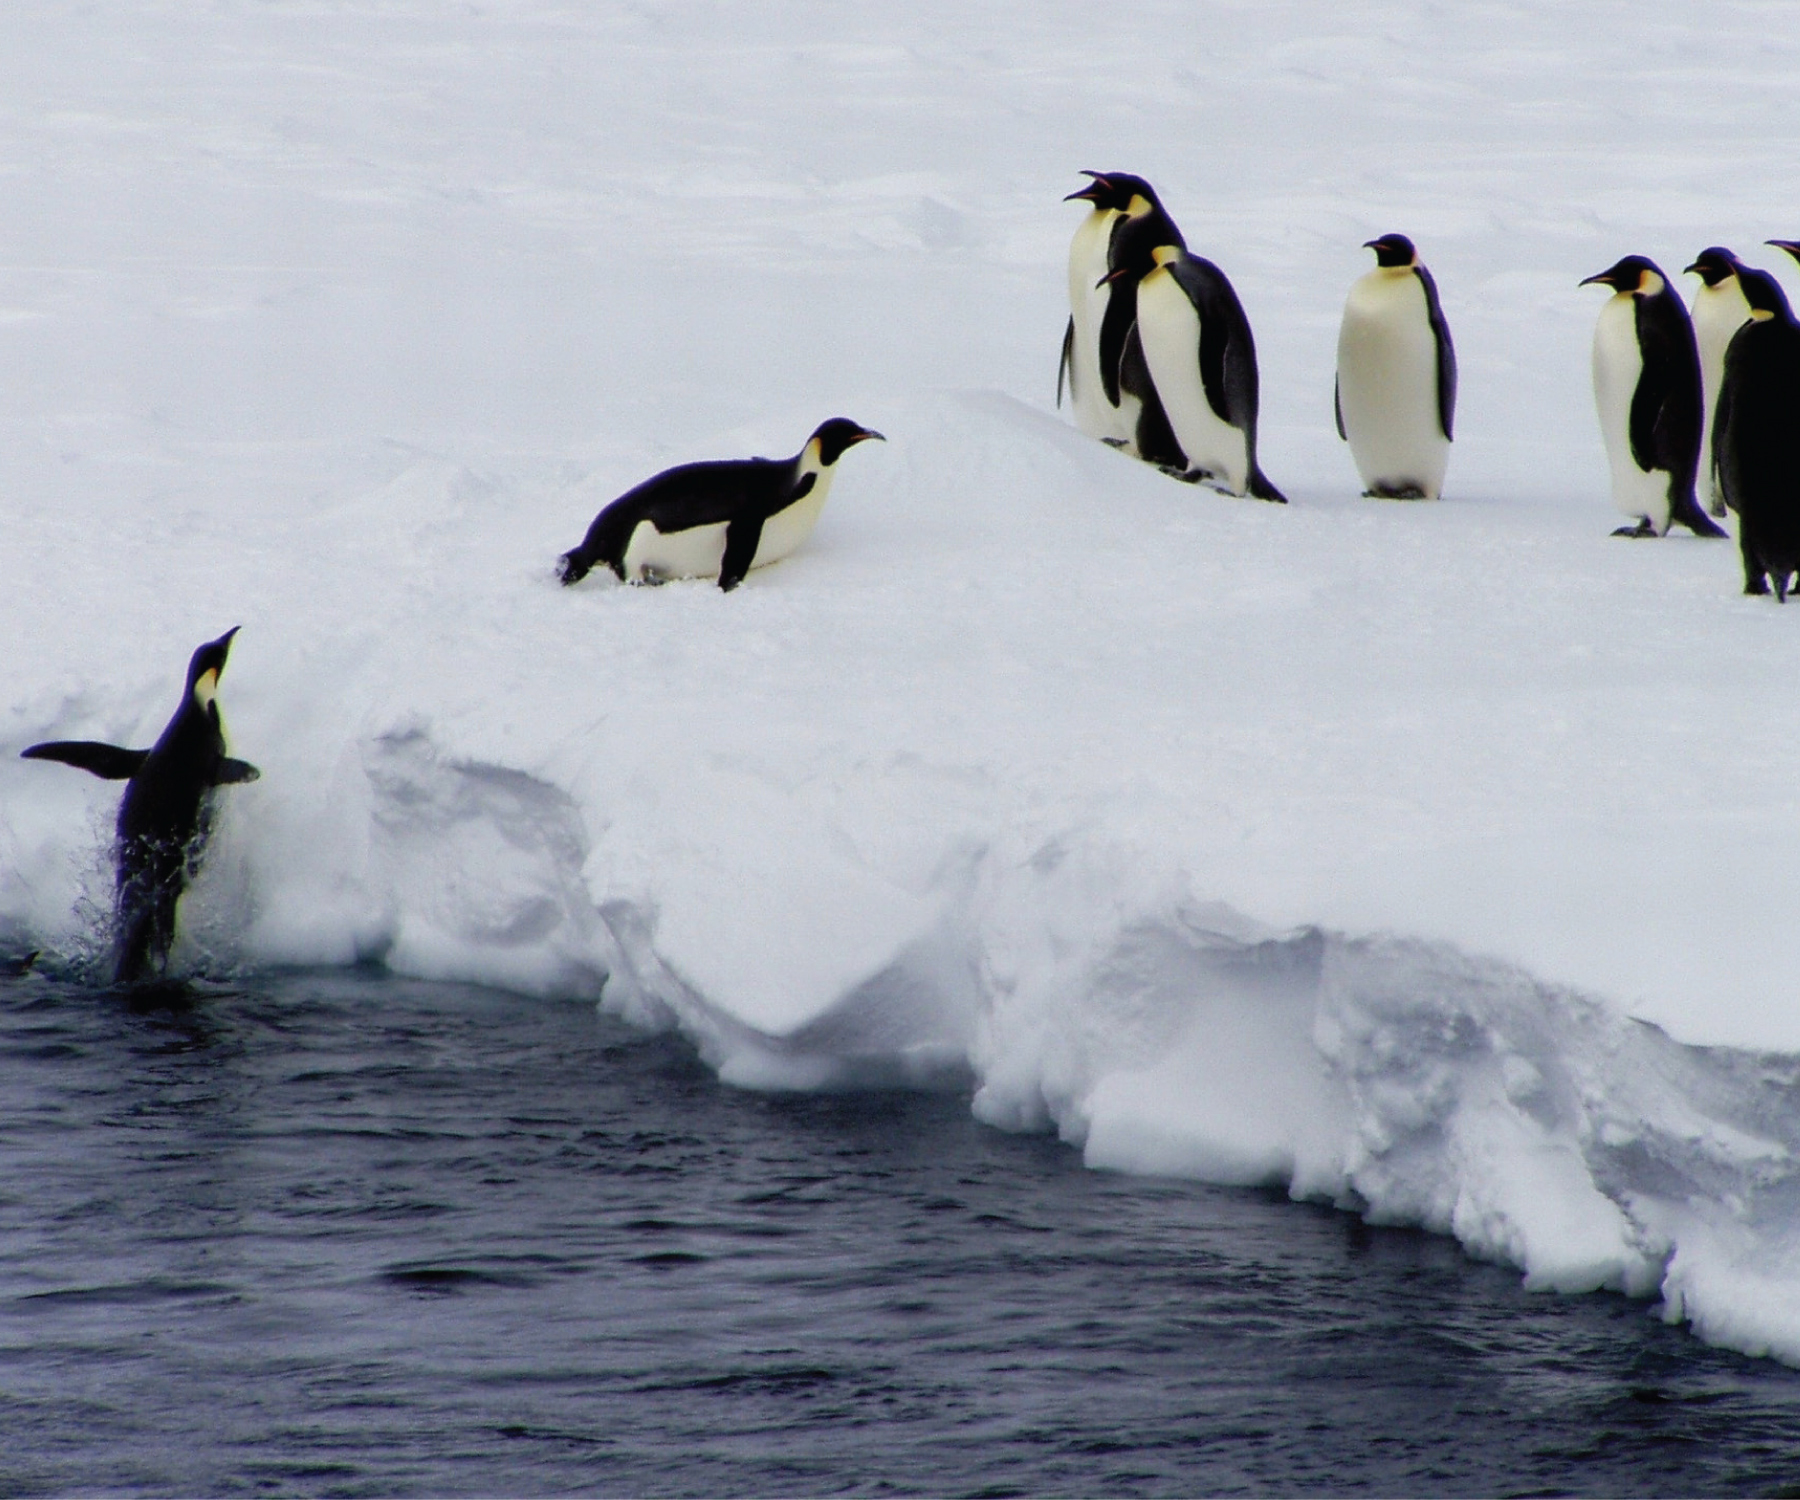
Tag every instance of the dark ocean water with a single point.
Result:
(334, 1233)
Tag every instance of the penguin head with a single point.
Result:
(1393, 252)
(1141, 246)
(1120, 191)
(1765, 296)
(1791, 246)
(836, 436)
(1632, 276)
(1714, 264)
(204, 668)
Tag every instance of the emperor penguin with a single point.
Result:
(1396, 376)
(1648, 394)
(166, 813)
(716, 520)
(1756, 435)
(1200, 356)
(1719, 311)
(1113, 396)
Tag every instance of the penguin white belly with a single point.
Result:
(1617, 365)
(1719, 311)
(699, 552)
(1094, 414)
(787, 530)
(1169, 328)
(1388, 385)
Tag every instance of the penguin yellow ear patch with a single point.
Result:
(206, 687)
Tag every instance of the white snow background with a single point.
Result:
(1348, 844)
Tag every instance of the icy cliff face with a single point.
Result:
(1166, 821)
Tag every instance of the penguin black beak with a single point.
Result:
(1691, 270)
(1112, 276)
(867, 433)
(224, 641)
(1603, 279)
(1092, 189)
(1791, 246)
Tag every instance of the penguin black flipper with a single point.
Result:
(1653, 420)
(742, 537)
(235, 772)
(1116, 325)
(1446, 356)
(1156, 442)
(1066, 366)
(1337, 403)
(108, 762)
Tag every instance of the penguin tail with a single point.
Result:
(1263, 490)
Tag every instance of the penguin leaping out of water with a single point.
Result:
(716, 520)
(165, 815)
(1200, 356)
(1647, 390)
(1396, 376)
(1756, 435)
(1719, 311)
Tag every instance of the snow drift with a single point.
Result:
(1432, 859)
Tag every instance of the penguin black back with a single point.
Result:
(165, 815)
(1756, 435)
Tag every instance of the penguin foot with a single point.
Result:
(1118, 443)
(1643, 528)
(1757, 585)
(1186, 476)
(1407, 491)
(1717, 510)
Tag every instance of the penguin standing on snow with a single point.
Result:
(1200, 356)
(1719, 311)
(1648, 393)
(716, 520)
(1756, 435)
(1113, 395)
(1396, 376)
(166, 813)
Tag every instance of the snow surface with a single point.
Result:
(1346, 844)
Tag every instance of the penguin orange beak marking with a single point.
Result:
(1603, 279)
(869, 432)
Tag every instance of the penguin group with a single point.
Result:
(1704, 404)
(1159, 360)
(1698, 411)
(1697, 414)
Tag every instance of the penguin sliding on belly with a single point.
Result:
(166, 813)
(715, 520)
(1199, 353)
(1396, 376)
(1647, 390)
(1756, 435)
(1719, 311)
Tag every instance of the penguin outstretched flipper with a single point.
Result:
(108, 762)
(235, 772)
